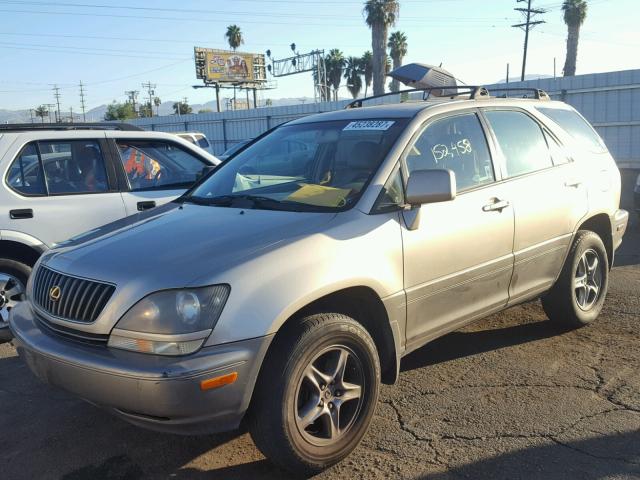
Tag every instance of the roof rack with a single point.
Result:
(474, 92)
(25, 127)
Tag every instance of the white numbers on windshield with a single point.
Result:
(454, 149)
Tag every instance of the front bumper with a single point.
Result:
(619, 222)
(161, 393)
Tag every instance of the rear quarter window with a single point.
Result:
(576, 126)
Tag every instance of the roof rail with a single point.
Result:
(475, 92)
(25, 127)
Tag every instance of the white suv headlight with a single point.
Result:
(170, 322)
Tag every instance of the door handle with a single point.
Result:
(572, 183)
(21, 214)
(142, 206)
(497, 206)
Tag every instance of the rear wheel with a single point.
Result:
(13, 282)
(316, 394)
(579, 294)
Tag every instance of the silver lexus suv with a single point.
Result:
(57, 181)
(286, 286)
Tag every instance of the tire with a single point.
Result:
(284, 394)
(576, 306)
(10, 291)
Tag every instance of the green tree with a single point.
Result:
(367, 70)
(353, 75)
(335, 63)
(182, 108)
(397, 50)
(42, 112)
(205, 110)
(575, 13)
(146, 109)
(157, 102)
(379, 16)
(234, 36)
(268, 102)
(119, 111)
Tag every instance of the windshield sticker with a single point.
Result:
(380, 125)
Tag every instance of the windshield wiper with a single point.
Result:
(229, 200)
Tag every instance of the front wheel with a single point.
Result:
(579, 293)
(316, 393)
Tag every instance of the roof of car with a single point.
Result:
(412, 108)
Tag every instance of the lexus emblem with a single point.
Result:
(55, 293)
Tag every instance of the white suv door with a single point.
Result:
(61, 187)
(155, 171)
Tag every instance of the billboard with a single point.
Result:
(225, 66)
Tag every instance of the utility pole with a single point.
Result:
(529, 14)
(49, 108)
(31, 114)
(56, 94)
(82, 105)
(71, 114)
(133, 96)
(150, 87)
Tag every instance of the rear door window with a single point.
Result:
(521, 140)
(576, 126)
(25, 174)
(158, 165)
(73, 167)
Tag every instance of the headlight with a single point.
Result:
(170, 322)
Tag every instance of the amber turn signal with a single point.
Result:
(217, 382)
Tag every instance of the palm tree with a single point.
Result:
(397, 50)
(352, 74)
(335, 64)
(234, 36)
(575, 12)
(42, 112)
(380, 15)
(157, 102)
(367, 69)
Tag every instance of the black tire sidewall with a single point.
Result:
(336, 334)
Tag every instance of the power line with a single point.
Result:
(529, 13)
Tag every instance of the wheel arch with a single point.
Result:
(365, 306)
(13, 250)
(600, 224)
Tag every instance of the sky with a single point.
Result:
(114, 46)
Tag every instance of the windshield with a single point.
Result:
(321, 166)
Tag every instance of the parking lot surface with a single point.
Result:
(511, 396)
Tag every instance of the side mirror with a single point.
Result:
(430, 186)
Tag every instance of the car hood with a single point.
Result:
(177, 244)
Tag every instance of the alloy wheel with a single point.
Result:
(11, 292)
(587, 280)
(330, 395)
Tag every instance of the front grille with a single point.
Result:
(79, 300)
(70, 333)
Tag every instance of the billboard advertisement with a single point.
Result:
(224, 66)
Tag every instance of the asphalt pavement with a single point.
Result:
(509, 397)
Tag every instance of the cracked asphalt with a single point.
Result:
(508, 397)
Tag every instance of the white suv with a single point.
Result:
(58, 181)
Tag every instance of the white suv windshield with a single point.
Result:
(313, 166)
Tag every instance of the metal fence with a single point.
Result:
(610, 101)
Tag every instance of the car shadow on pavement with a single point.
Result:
(599, 457)
(463, 344)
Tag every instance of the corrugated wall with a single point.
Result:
(610, 101)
